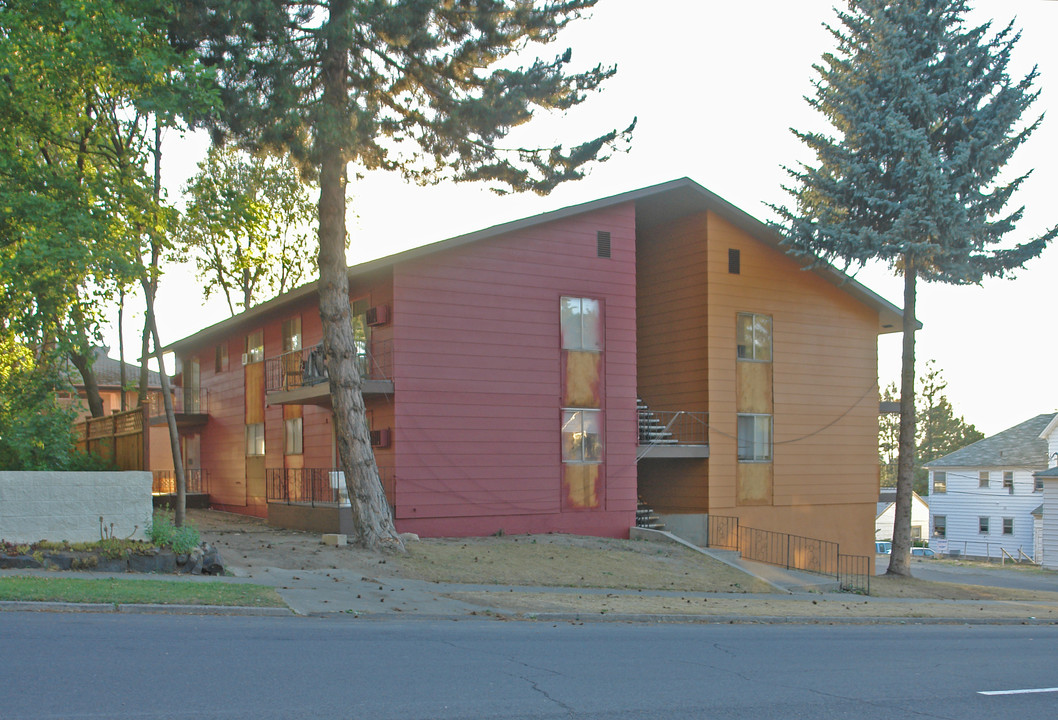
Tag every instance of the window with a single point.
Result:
(292, 436)
(982, 525)
(940, 482)
(1037, 485)
(940, 525)
(255, 347)
(581, 320)
(292, 334)
(754, 337)
(982, 479)
(581, 436)
(220, 358)
(1008, 481)
(255, 440)
(754, 438)
(1008, 526)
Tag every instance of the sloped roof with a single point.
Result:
(654, 205)
(108, 372)
(1019, 446)
(1050, 473)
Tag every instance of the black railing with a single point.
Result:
(307, 366)
(723, 532)
(790, 551)
(185, 400)
(854, 573)
(793, 552)
(164, 481)
(316, 486)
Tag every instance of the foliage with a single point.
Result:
(939, 431)
(35, 430)
(162, 532)
(247, 224)
(926, 117)
(428, 88)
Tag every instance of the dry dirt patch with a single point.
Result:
(573, 561)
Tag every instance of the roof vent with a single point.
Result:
(602, 243)
(734, 261)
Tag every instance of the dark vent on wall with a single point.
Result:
(734, 261)
(602, 243)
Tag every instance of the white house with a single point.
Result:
(886, 513)
(1047, 524)
(982, 496)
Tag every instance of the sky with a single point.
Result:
(716, 88)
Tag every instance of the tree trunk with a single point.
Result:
(180, 511)
(372, 519)
(900, 559)
(83, 363)
(121, 348)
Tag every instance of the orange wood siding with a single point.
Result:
(825, 392)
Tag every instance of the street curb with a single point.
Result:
(142, 609)
(494, 615)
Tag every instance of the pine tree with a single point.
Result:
(925, 116)
(427, 88)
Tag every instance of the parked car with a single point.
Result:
(883, 547)
(923, 552)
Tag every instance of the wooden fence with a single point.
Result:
(119, 439)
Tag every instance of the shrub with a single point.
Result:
(162, 532)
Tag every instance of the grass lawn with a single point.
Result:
(135, 591)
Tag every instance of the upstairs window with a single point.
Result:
(292, 334)
(255, 346)
(754, 438)
(754, 337)
(581, 321)
(1008, 481)
(940, 482)
(220, 358)
(982, 479)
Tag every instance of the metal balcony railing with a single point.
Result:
(316, 486)
(164, 481)
(307, 366)
(673, 427)
(185, 400)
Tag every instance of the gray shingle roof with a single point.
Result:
(1051, 473)
(108, 372)
(1019, 446)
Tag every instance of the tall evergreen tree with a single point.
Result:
(925, 116)
(427, 88)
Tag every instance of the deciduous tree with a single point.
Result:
(248, 223)
(925, 117)
(427, 88)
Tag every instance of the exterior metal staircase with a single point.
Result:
(646, 518)
(651, 430)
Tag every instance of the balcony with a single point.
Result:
(190, 406)
(299, 377)
(669, 434)
(316, 486)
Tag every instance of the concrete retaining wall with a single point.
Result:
(67, 505)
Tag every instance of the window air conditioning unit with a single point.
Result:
(378, 315)
(246, 358)
(380, 438)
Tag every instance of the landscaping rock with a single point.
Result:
(210, 564)
(19, 562)
(161, 561)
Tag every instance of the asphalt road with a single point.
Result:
(995, 576)
(156, 666)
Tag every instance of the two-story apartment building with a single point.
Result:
(982, 496)
(544, 374)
